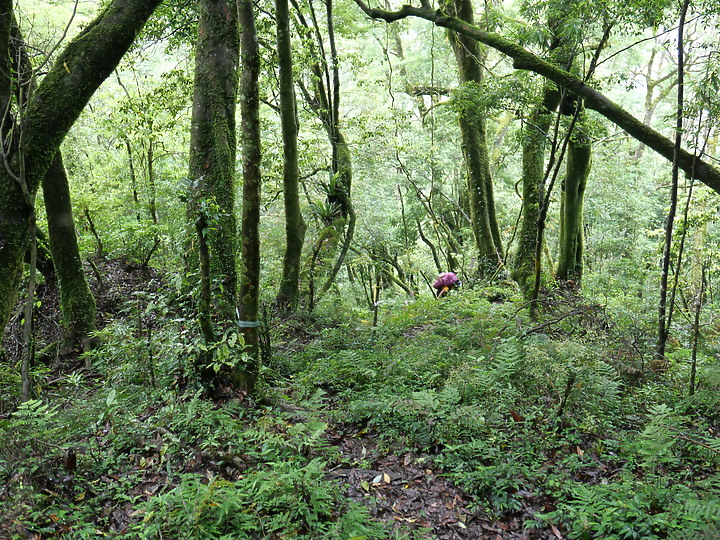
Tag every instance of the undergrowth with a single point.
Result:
(534, 422)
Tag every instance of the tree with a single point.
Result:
(246, 378)
(469, 57)
(212, 158)
(577, 168)
(536, 134)
(289, 291)
(51, 110)
(76, 299)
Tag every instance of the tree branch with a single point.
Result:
(524, 59)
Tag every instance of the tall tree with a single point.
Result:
(473, 131)
(51, 110)
(246, 376)
(212, 155)
(288, 293)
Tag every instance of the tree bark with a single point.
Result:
(571, 241)
(289, 291)
(213, 145)
(76, 299)
(524, 59)
(536, 136)
(51, 111)
(469, 56)
(246, 377)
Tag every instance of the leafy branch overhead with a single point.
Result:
(523, 59)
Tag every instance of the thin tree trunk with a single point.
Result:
(663, 327)
(246, 376)
(288, 293)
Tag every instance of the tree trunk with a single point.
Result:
(246, 377)
(533, 176)
(51, 111)
(213, 145)
(76, 300)
(571, 242)
(288, 293)
(469, 55)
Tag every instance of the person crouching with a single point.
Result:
(445, 283)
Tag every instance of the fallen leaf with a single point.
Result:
(580, 451)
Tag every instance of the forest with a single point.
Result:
(358, 269)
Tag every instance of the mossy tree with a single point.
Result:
(289, 291)
(51, 111)
(76, 299)
(470, 56)
(571, 242)
(212, 159)
(245, 376)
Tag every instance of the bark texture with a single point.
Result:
(571, 243)
(289, 291)
(213, 144)
(535, 141)
(245, 377)
(76, 299)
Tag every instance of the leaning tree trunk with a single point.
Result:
(475, 151)
(76, 300)
(52, 110)
(245, 376)
(212, 148)
(289, 291)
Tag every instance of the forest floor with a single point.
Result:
(400, 483)
(400, 488)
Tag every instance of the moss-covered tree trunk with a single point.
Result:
(76, 299)
(213, 148)
(289, 291)
(51, 111)
(245, 376)
(486, 232)
(535, 138)
(571, 242)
